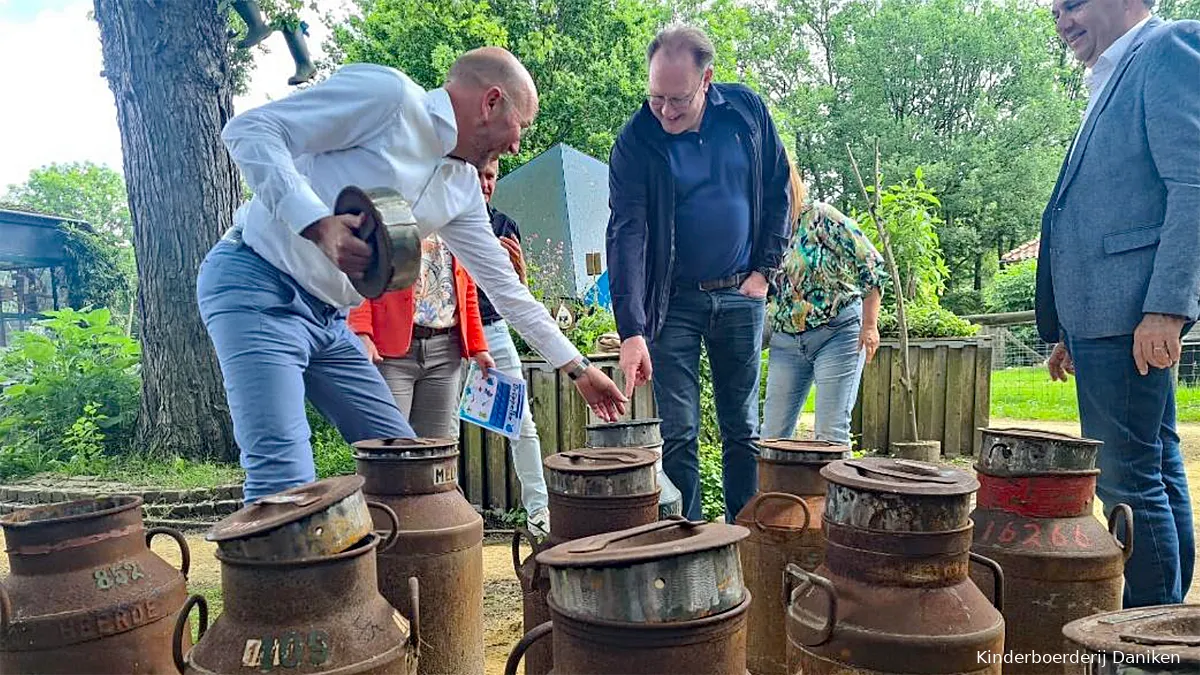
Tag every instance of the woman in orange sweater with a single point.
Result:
(419, 336)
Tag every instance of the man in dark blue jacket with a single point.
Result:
(698, 186)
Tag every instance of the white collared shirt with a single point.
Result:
(1102, 71)
(372, 126)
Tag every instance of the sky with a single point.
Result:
(57, 108)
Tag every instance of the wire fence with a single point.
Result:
(1022, 388)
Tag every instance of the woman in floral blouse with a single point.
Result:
(823, 318)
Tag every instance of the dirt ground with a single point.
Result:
(502, 592)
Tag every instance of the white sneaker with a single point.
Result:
(538, 523)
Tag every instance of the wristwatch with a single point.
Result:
(577, 369)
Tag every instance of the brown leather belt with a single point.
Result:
(728, 282)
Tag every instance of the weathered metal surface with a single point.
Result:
(794, 466)
(840, 625)
(1060, 564)
(601, 472)
(1159, 640)
(1026, 452)
(891, 495)
(640, 433)
(625, 434)
(535, 587)
(321, 615)
(782, 530)
(574, 518)
(391, 230)
(667, 571)
(86, 592)
(439, 541)
(312, 520)
(798, 451)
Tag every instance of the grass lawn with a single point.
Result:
(1029, 394)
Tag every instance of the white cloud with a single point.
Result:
(57, 107)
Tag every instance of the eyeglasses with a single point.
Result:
(675, 101)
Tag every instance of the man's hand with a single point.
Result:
(515, 254)
(372, 351)
(635, 363)
(602, 394)
(755, 286)
(1157, 342)
(868, 339)
(485, 361)
(1060, 364)
(334, 235)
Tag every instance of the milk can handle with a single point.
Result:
(392, 536)
(997, 579)
(518, 534)
(181, 623)
(794, 571)
(414, 599)
(767, 496)
(185, 555)
(1126, 514)
(514, 659)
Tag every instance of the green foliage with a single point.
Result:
(963, 301)
(71, 385)
(84, 443)
(926, 320)
(591, 322)
(1013, 289)
(909, 212)
(332, 455)
(712, 490)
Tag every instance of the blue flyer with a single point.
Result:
(494, 401)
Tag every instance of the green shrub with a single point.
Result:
(1013, 289)
(332, 455)
(964, 301)
(71, 391)
(926, 321)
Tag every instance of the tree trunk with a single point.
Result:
(167, 64)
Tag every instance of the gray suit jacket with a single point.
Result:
(1121, 234)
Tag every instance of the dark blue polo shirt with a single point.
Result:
(712, 174)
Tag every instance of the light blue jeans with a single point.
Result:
(527, 450)
(828, 355)
(276, 344)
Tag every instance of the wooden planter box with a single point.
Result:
(952, 381)
(486, 472)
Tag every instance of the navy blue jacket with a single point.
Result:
(641, 225)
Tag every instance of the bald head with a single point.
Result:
(494, 101)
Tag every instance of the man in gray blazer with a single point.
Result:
(1119, 269)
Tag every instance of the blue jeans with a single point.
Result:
(828, 354)
(277, 343)
(1140, 464)
(730, 324)
(527, 450)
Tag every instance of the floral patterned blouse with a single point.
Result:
(434, 303)
(829, 265)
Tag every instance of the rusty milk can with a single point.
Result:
(308, 606)
(1157, 640)
(664, 598)
(86, 592)
(782, 530)
(440, 542)
(591, 490)
(894, 595)
(1033, 516)
(643, 433)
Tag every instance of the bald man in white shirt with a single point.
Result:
(275, 291)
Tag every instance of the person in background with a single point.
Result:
(527, 450)
(275, 290)
(698, 190)
(1118, 274)
(419, 336)
(823, 319)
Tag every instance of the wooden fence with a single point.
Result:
(952, 382)
(486, 472)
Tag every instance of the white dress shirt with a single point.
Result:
(1103, 70)
(372, 126)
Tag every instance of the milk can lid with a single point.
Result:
(601, 460)
(625, 424)
(405, 448)
(899, 476)
(285, 507)
(802, 451)
(1169, 632)
(669, 538)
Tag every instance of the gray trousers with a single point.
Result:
(427, 385)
